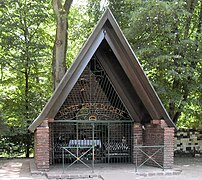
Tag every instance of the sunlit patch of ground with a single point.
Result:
(19, 169)
(11, 170)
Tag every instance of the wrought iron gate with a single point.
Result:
(92, 115)
(91, 142)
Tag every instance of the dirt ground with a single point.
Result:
(191, 169)
(14, 169)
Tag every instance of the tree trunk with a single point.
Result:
(60, 44)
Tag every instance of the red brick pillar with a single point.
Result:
(50, 124)
(153, 136)
(137, 141)
(41, 139)
(158, 133)
(169, 147)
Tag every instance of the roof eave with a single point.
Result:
(98, 35)
(77, 67)
(162, 113)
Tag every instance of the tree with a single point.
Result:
(25, 60)
(166, 36)
(94, 10)
(24, 53)
(122, 11)
(60, 44)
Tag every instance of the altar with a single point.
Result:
(84, 143)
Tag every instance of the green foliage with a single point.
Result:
(82, 21)
(25, 65)
(166, 36)
(121, 10)
(78, 32)
(13, 145)
(26, 41)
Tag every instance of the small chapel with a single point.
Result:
(105, 110)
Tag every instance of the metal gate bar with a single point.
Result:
(77, 156)
(94, 122)
(112, 142)
(93, 96)
(94, 100)
(149, 157)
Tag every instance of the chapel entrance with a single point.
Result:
(93, 124)
(91, 142)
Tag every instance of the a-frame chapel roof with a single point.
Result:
(112, 49)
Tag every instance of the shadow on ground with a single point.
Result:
(191, 168)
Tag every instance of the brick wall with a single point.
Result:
(169, 147)
(153, 135)
(50, 125)
(158, 134)
(137, 141)
(41, 140)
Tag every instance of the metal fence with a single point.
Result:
(150, 155)
(91, 142)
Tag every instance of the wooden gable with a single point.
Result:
(108, 44)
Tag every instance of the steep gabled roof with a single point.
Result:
(109, 44)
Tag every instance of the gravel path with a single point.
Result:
(14, 169)
(191, 170)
